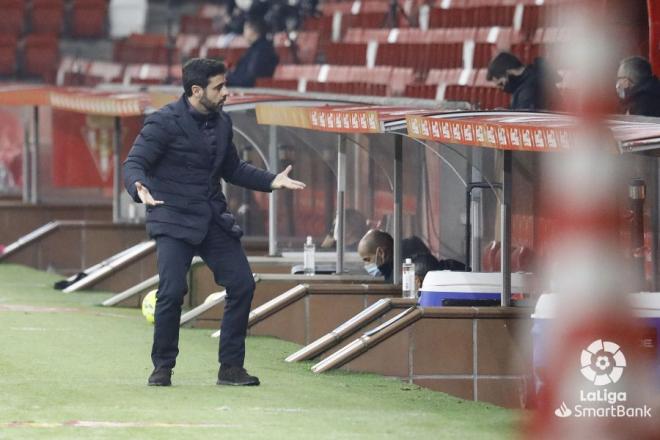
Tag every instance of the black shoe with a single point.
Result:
(229, 375)
(161, 377)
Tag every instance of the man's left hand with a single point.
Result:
(282, 180)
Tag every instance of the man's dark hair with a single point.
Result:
(258, 24)
(638, 69)
(197, 71)
(501, 63)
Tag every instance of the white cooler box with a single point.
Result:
(445, 287)
(646, 306)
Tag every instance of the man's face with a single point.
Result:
(623, 82)
(371, 257)
(214, 95)
(249, 33)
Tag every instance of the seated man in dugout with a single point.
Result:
(376, 249)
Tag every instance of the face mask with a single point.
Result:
(244, 5)
(621, 92)
(372, 269)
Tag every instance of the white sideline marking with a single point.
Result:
(35, 309)
(30, 329)
(278, 410)
(106, 424)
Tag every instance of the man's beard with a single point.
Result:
(209, 105)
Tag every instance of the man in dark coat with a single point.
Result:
(638, 90)
(259, 61)
(174, 168)
(531, 87)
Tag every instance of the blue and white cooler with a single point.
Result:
(447, 288)
(646, 306)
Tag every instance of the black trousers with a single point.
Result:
(226, 259)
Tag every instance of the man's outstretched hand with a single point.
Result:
(282, 180)
(145, 195)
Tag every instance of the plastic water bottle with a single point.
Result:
(308, 256)
(408, 285)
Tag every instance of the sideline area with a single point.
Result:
(70, 369)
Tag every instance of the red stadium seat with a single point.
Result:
(198, 25)
(12, 17)
(353, 54)
(483, 53)
(150, 74)
(490, 257)
(144, 48)
(399, 77)
(296, 71)
(541, 16)
(271, 83)
(352, 88)
(478, 16)
(423, 91)
(47, 17)
(88, 18)
(522, 259)
(72, 71)
(322, 25)
(188, 45)
(420, 57)
(41, 56)
(305, 45)
(7, 55)
(229, 55)
(103, 72)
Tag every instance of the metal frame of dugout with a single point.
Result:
(343, 120)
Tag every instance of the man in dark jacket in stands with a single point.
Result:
(175, 168)
(638, 90)
(531, 87)
(259, 61)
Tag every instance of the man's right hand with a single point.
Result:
(145, 195)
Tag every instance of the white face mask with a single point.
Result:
(621, 92)
(372, 269)
(244, 5)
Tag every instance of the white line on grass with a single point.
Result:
(105, 424)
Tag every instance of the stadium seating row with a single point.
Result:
(82, 72)
(83, 18)
(452, 84)
(523, 16)
(421, 50)
(35, 56)
(153, 48)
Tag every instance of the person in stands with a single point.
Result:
(637, 88)
(259, 61)
(531, 87)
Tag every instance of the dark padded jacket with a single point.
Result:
(171, 157)
(259, 61)
(537, 87)
(644, 99)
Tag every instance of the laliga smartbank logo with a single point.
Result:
(602, 363)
